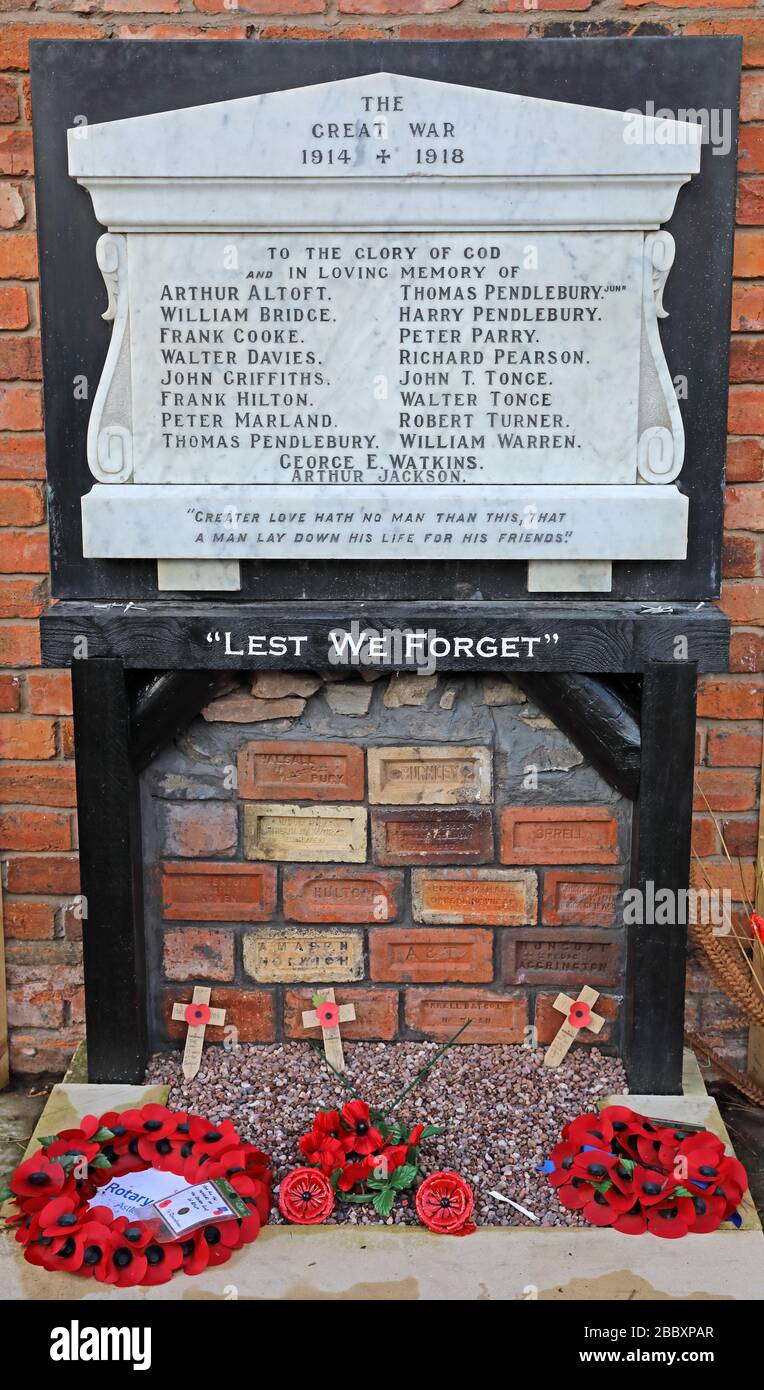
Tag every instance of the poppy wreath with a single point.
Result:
(363, 1155)
(60, 1230)
(635, 1174)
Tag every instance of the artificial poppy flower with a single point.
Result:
(575, 1194)
(326, 1153)
(150, 1122)
(256, 1194)
(365, 1138)
(161, 1262)
(444, 1203)
(757, 926)
(74, 1152)
(579, 1014)
(222, 1239)
(650, 1186)
(59, 1216)
(166, 1155)
(38, 1179)
(605, 1206)
(733, 1185)
(671, 1218)
(632, 1222)
(197, 1015)
(594, 1165)
(125, 1266)
(392, 1157)
(328, 1123)
(355, 1173)
(589, 1129)
(562, 1157)
(214, 1139)
(97, 1246)
(709, 1212)
(415, 1136)
(328, 1014)
(699, 1158)
(134, 1233)
(305, 1197)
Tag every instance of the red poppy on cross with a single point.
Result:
(197, 1015)
(328, 1015)
(578, 1014)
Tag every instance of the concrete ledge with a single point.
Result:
(405, 1264)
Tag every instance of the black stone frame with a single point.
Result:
(102, 81)
(116, 635)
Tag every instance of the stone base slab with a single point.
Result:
(407, 1264)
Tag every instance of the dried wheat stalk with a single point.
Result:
(728, 973)
(736, 1078)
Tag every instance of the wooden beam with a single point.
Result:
(108, 813)
(597, 637)
(596, 719)
(656, 955)
(164, 707)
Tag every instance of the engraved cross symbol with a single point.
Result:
(328, 1015)
(197, 1015)
(578, 1015)
(383, 156)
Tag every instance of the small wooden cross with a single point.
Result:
(328, 1015)
(578, 1015)
(197, 1015)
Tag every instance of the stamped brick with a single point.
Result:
(427, 956)
(558, 835)
(322, 834)
(445, 774)
(200, 827)
(342, 895)
(496, 1018)
(376, 1014)
(441, 835)
(196, 954)
(548, 1019)
(206, 892)
(488, 897)
(283, 954)
(301, 771)
(587, 897)
(541, 956)
(249, 1011)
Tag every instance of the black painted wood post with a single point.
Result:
(657, 954)
(108, 812)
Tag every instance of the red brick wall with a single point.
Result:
(453, 889)
(37, 829)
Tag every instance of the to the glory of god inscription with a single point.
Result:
(347, 324)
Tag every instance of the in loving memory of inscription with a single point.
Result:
(353, 327)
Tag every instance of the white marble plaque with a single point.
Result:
(389, 318)
(355, 360)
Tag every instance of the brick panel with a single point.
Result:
(432, 835)
(426, 955)
(342, 895)
(565, 958)
(558, 835)
(218, 892)
(494, 897)
(496, 1018)
(301, 771)
(583, 896)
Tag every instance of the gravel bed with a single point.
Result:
(501, 1109)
